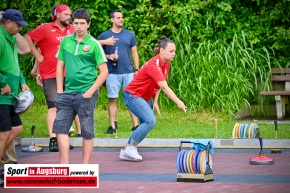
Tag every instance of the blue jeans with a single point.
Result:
(143, 110)
(69, 105)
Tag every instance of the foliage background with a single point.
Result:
(224, 48)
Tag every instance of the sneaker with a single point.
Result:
(111, 130)
(134, 128)
(53, 147)
(124, 156)
(17, 143)
(78, 135)
(132, 152)
(2, 180)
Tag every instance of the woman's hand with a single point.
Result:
(156, 107)
(181, 106)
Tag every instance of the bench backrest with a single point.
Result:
(280, 74)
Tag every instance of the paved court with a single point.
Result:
(157, 172)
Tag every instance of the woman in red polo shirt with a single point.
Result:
(147, 84)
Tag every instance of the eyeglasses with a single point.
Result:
(18, 25)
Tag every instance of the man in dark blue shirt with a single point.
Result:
(120, 67)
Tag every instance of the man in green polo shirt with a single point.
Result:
(11, 77)
(80, 55)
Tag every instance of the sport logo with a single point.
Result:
(51, 176)
(86, 48)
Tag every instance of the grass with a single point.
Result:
(221, 76)
(172, 123)
(214, 79)
(214, 75)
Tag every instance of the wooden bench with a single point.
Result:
(280, 78)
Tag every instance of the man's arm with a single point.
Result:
(109, 41)
(135, 57)
(34, 50)
(23, 46)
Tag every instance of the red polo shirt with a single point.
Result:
(48, 37)
(145, 82)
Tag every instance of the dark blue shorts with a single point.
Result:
(69, 105)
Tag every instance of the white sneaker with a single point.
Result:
(132, 152)
(124, 156)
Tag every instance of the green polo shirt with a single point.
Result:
(81, 60)
(10, 72)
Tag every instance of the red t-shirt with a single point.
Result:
(145, 82)
(48, 37)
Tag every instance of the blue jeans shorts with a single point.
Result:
(69, 105)
(115, 81)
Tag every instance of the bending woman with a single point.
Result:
(147, 84)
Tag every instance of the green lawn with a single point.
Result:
(170, 124)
